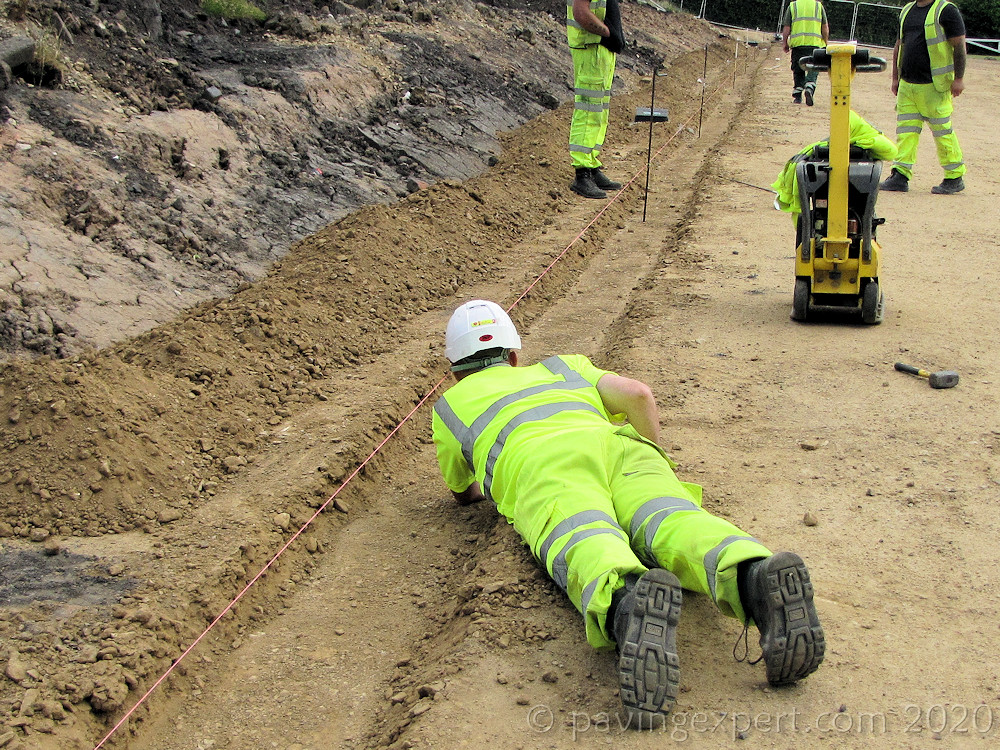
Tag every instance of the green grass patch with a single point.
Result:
(233, 10)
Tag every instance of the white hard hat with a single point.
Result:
(477, 326)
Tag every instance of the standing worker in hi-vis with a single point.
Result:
(569, 454)
(928, 70)
(594, 33)
(805, 29)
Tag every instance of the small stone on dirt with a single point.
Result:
(421, 707)
(169, 515)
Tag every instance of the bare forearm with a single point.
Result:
(584, 16)
(960, 60)
(646, 422)
(635, 400)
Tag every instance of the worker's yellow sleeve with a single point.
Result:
(786, 187)
(871, 138)
(454, 468)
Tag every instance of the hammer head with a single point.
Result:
(943, 379)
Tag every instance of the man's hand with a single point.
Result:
(957, 86)
(470, 495)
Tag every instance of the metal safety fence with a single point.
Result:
(870, 24)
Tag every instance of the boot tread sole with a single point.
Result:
(794, 644)
(648, 665)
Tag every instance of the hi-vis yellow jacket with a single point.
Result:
(807, 23)
(940, 50)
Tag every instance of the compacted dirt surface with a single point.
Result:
(278, 435)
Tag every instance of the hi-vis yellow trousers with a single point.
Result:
(612, 506)
(917, 103)
(593, 74)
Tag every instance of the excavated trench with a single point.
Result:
(443, 589)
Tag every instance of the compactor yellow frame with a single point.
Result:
(837, 258)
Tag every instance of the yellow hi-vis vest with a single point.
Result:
(941, 52)
(807, 24)
(577, 36)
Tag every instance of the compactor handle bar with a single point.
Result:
(862, 61)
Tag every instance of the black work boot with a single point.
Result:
(808, 92)
(645, 627)
(603, 181)
(584, 184)
(897, 182)
(949, 186)
(777, 594)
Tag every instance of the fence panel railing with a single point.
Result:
(868, 24)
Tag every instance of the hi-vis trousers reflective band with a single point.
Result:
(593, 74)
(623, 512)
(917, 103)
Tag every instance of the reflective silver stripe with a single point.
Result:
(592, 93)
(662, 507)
(588, 594)
(941, 133)
(535, 414)
(939, 120)
(660, 515)
(567, 525)
(560, 568)
(904, 164)
(803, 33)
(457, 428)
(907, 129)
(937, 40)
(574, 24)
(483, 420)
(580, 149)
(942, 71)
(557, 366)
(953, 165)
(906, 116)
(587, 107)
(712, 559)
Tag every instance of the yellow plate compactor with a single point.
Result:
(837, 255)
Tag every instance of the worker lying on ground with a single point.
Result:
(862, 135)
(569, 454)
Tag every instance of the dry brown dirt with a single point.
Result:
(148, 483)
